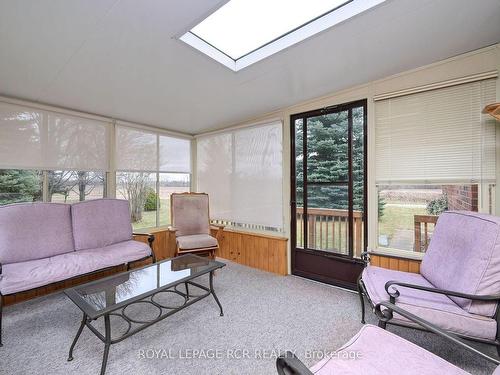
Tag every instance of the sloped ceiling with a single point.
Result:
(120, 58)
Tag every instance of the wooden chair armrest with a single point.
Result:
(220, 230)
(151, 238)
(172, 229)
(218, 226)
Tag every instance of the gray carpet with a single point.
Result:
(264, 314)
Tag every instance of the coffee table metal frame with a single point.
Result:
(119, 309)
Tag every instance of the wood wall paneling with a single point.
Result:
(394, 263)
(264, 252)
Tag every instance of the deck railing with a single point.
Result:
(328, 230)
(424, 226)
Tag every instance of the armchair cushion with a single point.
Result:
(18, 277)
(190, 214)
(382, 352)
(31, 231)
(100, 222)
(196, 241)
(435, 308)
(464, 256)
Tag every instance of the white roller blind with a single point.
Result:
(136, 150)
(437, 136)
(36, 139)
(175, 154)
(76, 143)
(147, 151)
(214, 172)
(242, 172)
(20, 137)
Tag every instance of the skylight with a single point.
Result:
(243, 32)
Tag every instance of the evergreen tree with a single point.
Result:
(19, 186)
(327, 160)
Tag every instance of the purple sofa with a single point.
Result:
(44, 243)
(374, 351)
(458, 288)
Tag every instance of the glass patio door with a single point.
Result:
(328, 182)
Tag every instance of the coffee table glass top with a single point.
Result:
(101, 296)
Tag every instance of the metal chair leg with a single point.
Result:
(382, 324)
(360, 292)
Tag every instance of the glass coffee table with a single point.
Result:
(145, 286)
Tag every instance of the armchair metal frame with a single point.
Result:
(150, 239)
(289, 364)
(394, 293)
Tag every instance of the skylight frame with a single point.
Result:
(321, 23)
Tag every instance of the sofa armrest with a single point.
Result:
(289, 364)
(386, 315)
(394, 292)
(151, 238)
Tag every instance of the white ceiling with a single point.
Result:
(119, 58)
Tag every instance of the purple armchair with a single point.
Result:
(458, 288)
(44, 243)
(374, 351)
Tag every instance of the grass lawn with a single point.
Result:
(397, 217)
(149, 217)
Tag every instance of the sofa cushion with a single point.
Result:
(196, 241)
(31, 231)
(464, 256)
(436, 308)
(100, 222)
(383, 353)
(17, 277)
(190, 214)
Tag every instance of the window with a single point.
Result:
(150, 166)
(54, 156)
(435, 152)
(45, 140)
(17, 185)
(75, 186)
(67, 153)
(241, 170)
(232, 36)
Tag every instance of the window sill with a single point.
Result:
(397, 253)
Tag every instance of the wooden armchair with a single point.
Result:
(191, 227)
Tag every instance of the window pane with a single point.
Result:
(407, 213)
(171, 183)
(17, 185)
(139, 188)
(75, 186)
